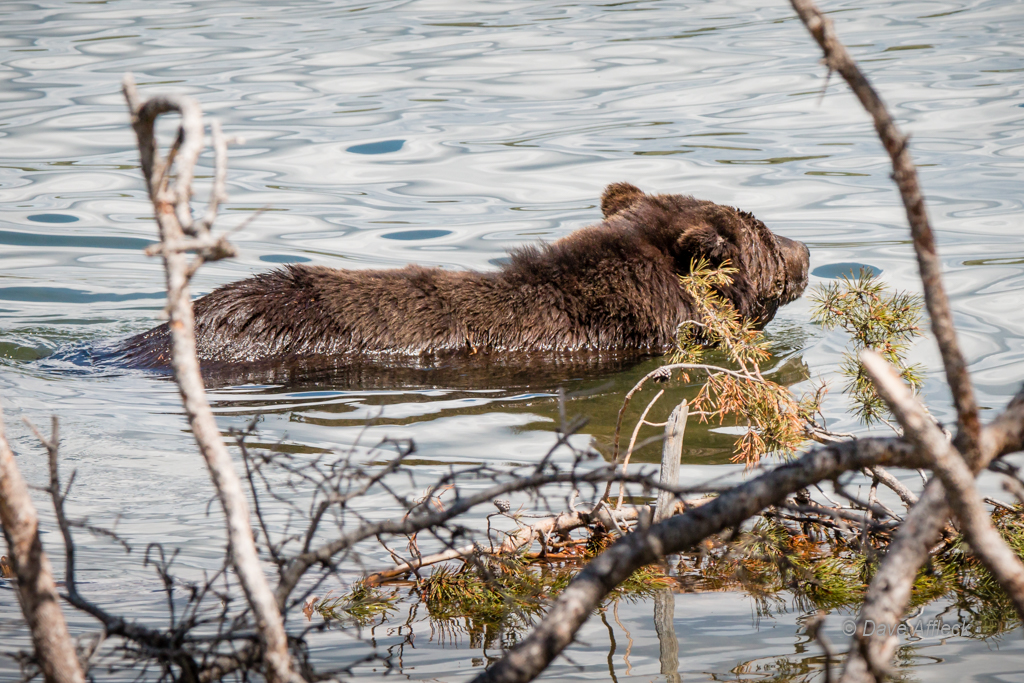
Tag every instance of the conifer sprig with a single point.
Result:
(875, 319)
(776, 421)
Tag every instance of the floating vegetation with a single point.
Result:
(492, 600)
(957, 574)
(362, 606)
(783, 564)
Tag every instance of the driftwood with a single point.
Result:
(513, 543)
(671, 453)
(726, 511)
(37, 591)
(525, 535)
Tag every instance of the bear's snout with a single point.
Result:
(797, 259)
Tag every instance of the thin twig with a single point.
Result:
(629, 450)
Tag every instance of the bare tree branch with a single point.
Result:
(678, 534)
(905, 174)
(113, 625)
(629, 450)
(906, 495)
(37, 592)
(218, 193)
(671, 453)
(956, 477)
(888, 595)
(889, 592)
(425, 519)
(174, 218)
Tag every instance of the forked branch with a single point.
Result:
(572, 608)
(956, 477)
(174, 217)
(889, 592)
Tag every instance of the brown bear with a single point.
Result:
(610, 286)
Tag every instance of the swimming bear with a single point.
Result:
(610, 286)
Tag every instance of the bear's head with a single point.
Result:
(772, 270)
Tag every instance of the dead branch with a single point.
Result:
(956, 477)
(889, 592)
(523, 538)
(888, 595)
(575, 519)
(37, 591)
(678, 534)
(893, 484)
(174, 218)
(905, 175)
(671, 453)
(660, 375)
(426, 518)
(629, 450)
(425, 561)
(167, 645)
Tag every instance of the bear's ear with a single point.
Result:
(619, 196)
(704, 240)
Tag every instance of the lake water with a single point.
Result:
(379, 134)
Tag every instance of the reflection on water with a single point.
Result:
(847, 270)
(387, 133)
(384, 147)
(416, 235)
(52, 218)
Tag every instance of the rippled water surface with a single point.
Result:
(379, 134)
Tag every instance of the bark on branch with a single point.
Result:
(956, 477)
(889, 592)
(37, 592)
(427, 518)
(174, 219)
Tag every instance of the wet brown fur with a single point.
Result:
(613, 285)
